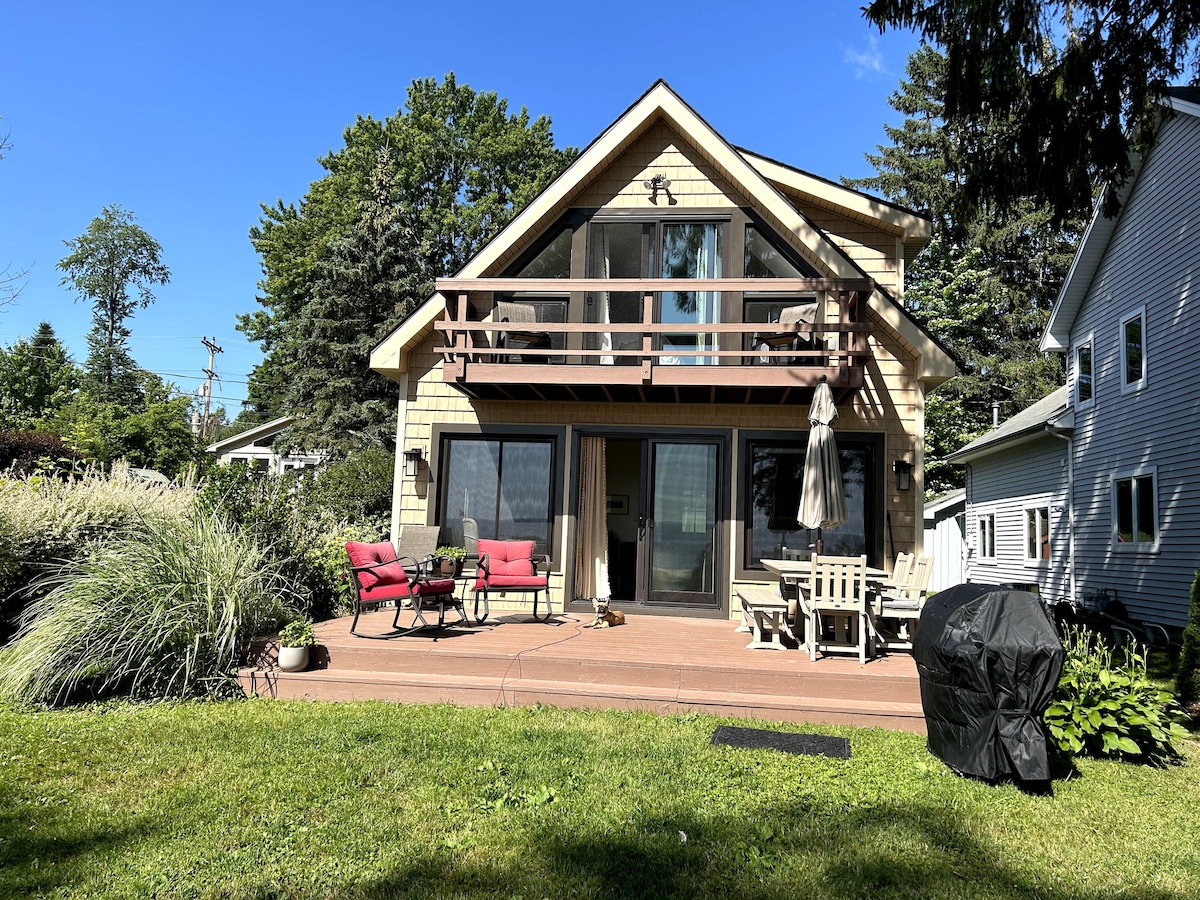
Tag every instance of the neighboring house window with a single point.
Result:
(502, 485)
(987, 536)
(1037, 534)
(1083, 374)
(1133, 351)
(1135, 515)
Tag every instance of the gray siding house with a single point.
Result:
(1114, 461)
(1017, 521)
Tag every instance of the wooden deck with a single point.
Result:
(652, 663)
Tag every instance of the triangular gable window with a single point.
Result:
(764, 258)
(552, 261)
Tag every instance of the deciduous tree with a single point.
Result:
(113, 264)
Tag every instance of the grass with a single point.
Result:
(265, 799)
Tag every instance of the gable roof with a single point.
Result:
(1057, 337)
(1052, 411)
(742, 170)
(251, 435)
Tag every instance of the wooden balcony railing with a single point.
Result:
(729, 362)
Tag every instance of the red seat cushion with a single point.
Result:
(509, 565)
(373, 555)
(381, 592)
(434, 586)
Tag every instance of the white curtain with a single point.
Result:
(591, 554)
(603, 313)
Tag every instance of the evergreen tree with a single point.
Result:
(462, 167)
(364, 287)
(37, 377)
(986, 283)
(1057, 91)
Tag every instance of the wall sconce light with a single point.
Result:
(412, 461)
(656, 183)
(903, 469)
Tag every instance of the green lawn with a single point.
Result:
(266, 799)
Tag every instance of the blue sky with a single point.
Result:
(191, 115)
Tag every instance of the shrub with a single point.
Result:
(45, 521)
(1105, 704)
(23, 453)
(1187, 679)
(163, 611)
(356, 489)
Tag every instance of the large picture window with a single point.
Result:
(774, 478)
(499, 488)
(1135, 521)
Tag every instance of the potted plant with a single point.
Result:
(450, 560)
(295, 640)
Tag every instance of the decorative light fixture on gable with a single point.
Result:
(412, 461)
(656, 183)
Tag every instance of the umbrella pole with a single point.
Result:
(820, 544)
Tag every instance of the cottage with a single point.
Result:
(256, 448)
(623, 374)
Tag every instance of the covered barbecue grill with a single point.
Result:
(989, 661)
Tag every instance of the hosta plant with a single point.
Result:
(1105, 704)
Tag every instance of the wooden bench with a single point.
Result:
(767, 614)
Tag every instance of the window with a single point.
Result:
(552, 261)
(987, 536)
(503, 485)
(774, 476)
(1135, 520)
(1133, 351)
(765, 260)
(1037, 534)
(1083, 374)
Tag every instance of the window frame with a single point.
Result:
(1088, 344)
(980, 518)
(743, 523)
(1035, 508)
(1127, 386)
(1134, 476)
(556, 437)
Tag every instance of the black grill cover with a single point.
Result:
(989, 661)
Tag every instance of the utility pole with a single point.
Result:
(213, 350)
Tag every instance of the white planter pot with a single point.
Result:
(293, 659)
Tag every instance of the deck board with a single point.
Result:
(653, 663)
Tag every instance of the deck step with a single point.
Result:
(652, 664)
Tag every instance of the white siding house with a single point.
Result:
(256, 448)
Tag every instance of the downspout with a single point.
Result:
(1066, 435)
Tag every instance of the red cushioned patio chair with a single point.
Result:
(510, 566)
(380, 576)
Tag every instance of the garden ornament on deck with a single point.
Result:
(822, 501)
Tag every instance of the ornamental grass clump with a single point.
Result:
(160, 611)
(1105, 704)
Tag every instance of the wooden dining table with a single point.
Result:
(791, 571)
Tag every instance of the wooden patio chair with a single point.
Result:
(805, 313)
(521, 338)
(901, 606)
(834, 604)
(380, 576)
(510, 566)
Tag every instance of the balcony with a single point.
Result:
(527, 339)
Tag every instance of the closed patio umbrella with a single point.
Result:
(822, 502)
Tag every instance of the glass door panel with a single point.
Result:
(682, 531)
(690, 250)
